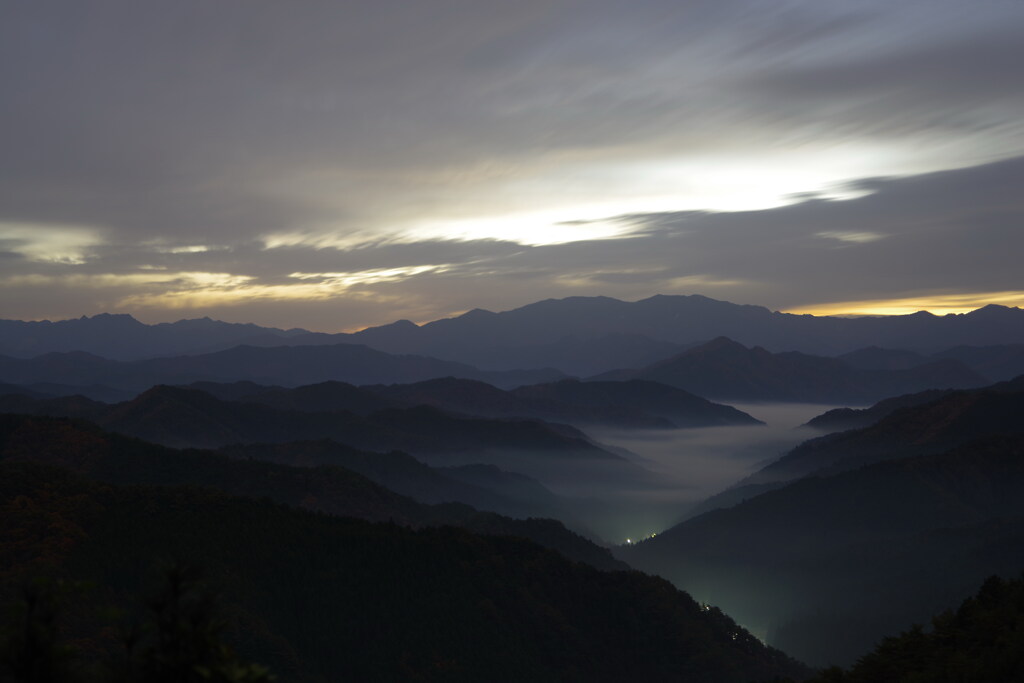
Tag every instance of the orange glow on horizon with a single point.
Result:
(939, 304)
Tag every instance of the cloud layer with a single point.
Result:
(350, 163)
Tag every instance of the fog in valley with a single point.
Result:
(689, 466)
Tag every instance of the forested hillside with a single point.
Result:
(315, 597)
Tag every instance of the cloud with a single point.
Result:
(235, 119)
(850, 237)
(956, 91)
(948, 233)
(483, 153)
(47, 243)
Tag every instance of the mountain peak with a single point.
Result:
(719, 344)
(402, 324)
(992, 312)
(112, 318)
(477, 313)
(165, 391)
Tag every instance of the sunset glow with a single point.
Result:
(944, 304)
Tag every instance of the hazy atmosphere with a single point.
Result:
(693, 464)
(344, 164)
(549, 340)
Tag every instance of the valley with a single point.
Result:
(438, 341)
(818, 526)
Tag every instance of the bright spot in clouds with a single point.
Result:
(852, 237)
(48, 243)
(193, 249)
(436, 161)
(345, 280)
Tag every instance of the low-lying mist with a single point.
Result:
(691, 465)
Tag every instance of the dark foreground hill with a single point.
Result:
(180, 417)
(826, 565)
(980, 642)
(322, 598)
(561, 457)
(310, 476)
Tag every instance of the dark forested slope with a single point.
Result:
(982, 641)
(321, 598)
(824, 566)
(315, 484)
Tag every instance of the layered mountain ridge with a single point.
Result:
(577, 335)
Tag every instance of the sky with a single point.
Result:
(333, 164)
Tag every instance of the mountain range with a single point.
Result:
(902, 426)
(727, 370)
(486, 339)
(512, 465)
(721, 369)
(282, 365)
(633, 404)
(916, 428)
(181, 417)
(313, 473)
(580, 336)
(313, 476)
(320, 597)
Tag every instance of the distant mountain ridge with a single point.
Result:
(725, 369)
(721, 369)
(281, 365)
(483, 338)
(578, 335)
(122, 337)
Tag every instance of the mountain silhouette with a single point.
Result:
(480, 486)
(578, 335)
(680, 408)
(483, 338)
(181, 417)
(725, 369)
(999, 362)
(620, 404)
(317, 597)
(843, 419)
(284, 365)
(307, 475)
(122, 337)
(933, 426)
(827, 565)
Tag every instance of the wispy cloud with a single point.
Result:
(493, 153)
